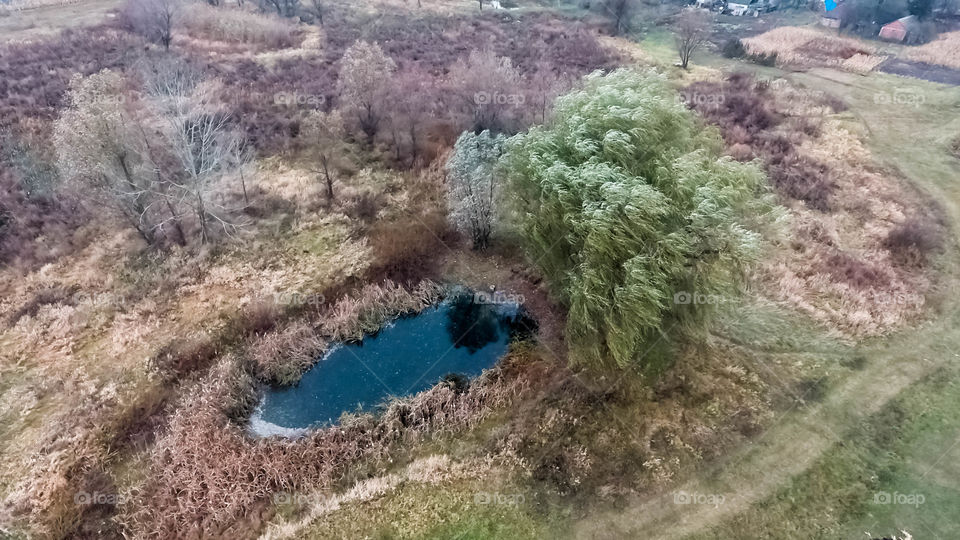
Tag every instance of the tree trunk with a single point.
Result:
(202, 216)
(181, 237)
(329, 179)
(137, 204)
(243, 184)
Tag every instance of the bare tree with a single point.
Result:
(620, 13)
(324, 133)
(200, 137)
(490, 89)
(284, 8)
(365, 73)
(693, 29)
(154, 19)
(100, 151)
(542, 89)
(316, 9)
(413, 99)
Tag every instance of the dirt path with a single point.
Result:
(785, 450)
(799, 437)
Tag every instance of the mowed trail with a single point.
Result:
(788, 448)
(798, 437)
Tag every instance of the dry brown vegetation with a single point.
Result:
(858, 244)
(807, 47)
(189, 489)
(943, 51)
(236, 26)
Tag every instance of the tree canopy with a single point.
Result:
(628, 209)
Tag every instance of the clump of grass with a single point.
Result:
(913, 240)
(733, 48)
(807, 47)
(943, 51)
(281, 357)
(43, 297)
(233, 25)
(365, 312)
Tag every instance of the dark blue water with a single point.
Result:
(459, 336)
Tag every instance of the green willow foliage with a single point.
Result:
(628, 209)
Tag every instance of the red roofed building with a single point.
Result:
(899, 29)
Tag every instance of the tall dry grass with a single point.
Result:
(943, 51)
(365, 312)
(807, 47)
(859, 238)
(236, 26)
(205, 472)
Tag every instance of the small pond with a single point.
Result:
(459, 336)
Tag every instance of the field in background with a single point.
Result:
(48, 19)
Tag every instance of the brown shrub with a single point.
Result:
(187, 355)
(43, 297)
(405, 249)
(257, 318)
(858, 273)
(803, 179)
(363, 206)
(751, 126)
(913, 240)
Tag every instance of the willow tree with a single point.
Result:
(626, 205)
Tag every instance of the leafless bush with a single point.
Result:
(914, 240)
(189, 354)
(490, 90)
(404, 250)
(155, 20)
(44, 297)
(857, 272)
(693, 30)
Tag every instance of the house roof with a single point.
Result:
(906, 23)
